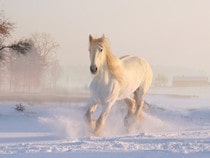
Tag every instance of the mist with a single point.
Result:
(169, 34)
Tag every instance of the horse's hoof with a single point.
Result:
(97, 133)
(91, 126)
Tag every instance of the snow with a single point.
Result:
(174, 124)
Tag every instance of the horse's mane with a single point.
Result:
(113, 63)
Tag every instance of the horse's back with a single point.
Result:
(135, 63)
(137, 70)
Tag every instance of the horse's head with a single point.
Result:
(97, 53)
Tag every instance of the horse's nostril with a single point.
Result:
(93, 69)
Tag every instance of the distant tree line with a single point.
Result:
(161, 80)
(28, 64)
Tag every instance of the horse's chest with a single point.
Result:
(101, 89)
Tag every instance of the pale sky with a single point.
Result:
(165, 32)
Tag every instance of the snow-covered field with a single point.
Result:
(175, 125)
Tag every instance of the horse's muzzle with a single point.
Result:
(93, 69)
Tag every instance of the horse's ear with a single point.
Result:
(103, 37)
(90, 38)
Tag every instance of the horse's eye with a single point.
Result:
(100, 49)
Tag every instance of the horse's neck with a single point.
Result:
(103, 72)
(112, 68)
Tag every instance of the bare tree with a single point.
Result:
(55, 73)
(45, 46)
(6, 27)
(22, 46)
(25, 70)
(3, 74)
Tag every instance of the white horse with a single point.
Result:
(115, 79)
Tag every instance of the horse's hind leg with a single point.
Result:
(131, 110)
(139, 98)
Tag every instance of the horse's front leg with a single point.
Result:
(108, 102)
(90, 111)
(102, 119)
